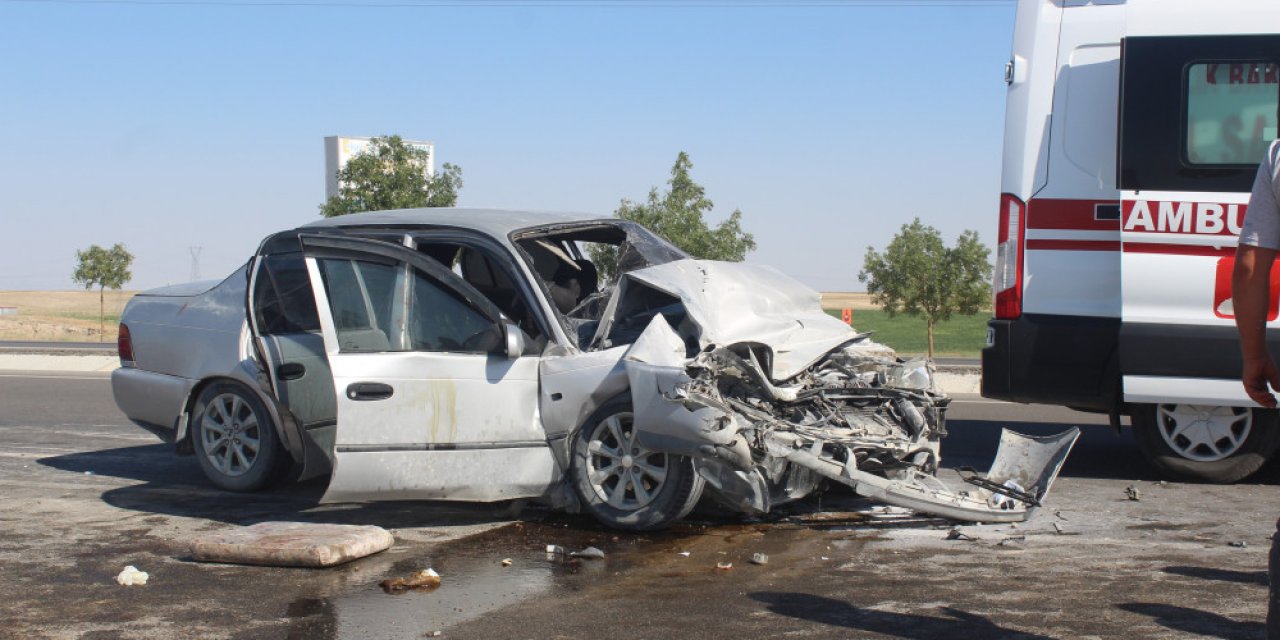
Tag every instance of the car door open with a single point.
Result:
(433, 400)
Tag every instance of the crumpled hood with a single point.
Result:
(733, 302)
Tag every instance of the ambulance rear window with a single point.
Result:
(1230, 111)
(1196, 112)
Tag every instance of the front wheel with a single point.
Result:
(624, 485)
(234, 440)
(1203, 443)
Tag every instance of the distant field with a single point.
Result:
(847, 300)
(62, 316)
(962, 336)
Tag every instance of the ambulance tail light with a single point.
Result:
(1007, 282)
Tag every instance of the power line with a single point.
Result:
(412, 4)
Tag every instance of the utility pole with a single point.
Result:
(195, 262)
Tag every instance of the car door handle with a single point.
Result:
(369, 391)
(290, 371)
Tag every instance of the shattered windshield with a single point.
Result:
(580, 263)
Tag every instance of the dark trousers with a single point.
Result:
(1273, 596)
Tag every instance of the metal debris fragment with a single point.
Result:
(590, 553)
(759, 558)
(1057, 527)
(724, 566)
(506, 562)
(1239, 544)
(1012, 540)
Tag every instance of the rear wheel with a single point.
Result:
(624, 485)
(1204, 443)
(234, 439)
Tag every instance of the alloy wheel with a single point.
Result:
(230, 434)
(622, 473)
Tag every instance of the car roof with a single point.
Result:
(495, 222)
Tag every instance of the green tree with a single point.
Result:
(104, 269)
(389, 175)
(677, 215)
(920, 276)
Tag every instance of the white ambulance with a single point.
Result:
(1133, 132)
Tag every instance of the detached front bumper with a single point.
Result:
(1020, 478)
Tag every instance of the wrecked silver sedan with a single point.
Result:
(478, 355)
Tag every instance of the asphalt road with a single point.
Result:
(87, 493)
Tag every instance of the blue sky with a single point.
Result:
(166, 126)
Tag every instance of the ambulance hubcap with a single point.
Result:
(1203, 433)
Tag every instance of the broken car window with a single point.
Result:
(282, 296)
(579, 264)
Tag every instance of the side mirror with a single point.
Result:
(514, 339)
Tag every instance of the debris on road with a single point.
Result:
(131, 577)
(506, 562)
(956, 534)
(759, 558)
(724, 566)
(1133, 493)
(1058, 528)
(291, 544)
(1012, 540)
(590, 553)
(683, 554)
(1239, 544)
(424, 580)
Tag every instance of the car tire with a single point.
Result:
(234, 438)
(623, 485)
(1206, 443)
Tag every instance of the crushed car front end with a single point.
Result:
(772, 399)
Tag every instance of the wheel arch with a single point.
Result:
(282, 422)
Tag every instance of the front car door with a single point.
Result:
(429, 406)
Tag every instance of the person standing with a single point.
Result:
(1250, 292)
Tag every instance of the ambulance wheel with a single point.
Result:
(624, 485)
(1204, 443)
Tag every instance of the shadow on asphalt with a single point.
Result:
(838, 613)
(1221, 575)
(1201, 623)
(173, 485)
(1099, 453)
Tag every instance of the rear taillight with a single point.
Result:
(124, 344)
(1008, 276)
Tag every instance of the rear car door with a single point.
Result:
(287, 331)
(429, 406)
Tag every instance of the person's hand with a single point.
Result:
(1258, 373)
